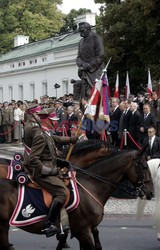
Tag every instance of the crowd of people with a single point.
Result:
(136, 115)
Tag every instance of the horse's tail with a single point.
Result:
(140, 208)
(156, 214)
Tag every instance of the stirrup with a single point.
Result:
(50, 231)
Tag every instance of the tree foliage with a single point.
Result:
(70, 24)
(38, 19)
(131, 32)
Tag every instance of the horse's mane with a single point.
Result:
(86, 147)
(113, 154)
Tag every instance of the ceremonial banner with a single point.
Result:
(149, 86)
(98, 106)
(116, 92)
(127, 89)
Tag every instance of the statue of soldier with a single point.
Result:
(89, 59)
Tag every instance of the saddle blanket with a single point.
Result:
(31, 207)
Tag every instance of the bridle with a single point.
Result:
(141, 182)
(137, 190)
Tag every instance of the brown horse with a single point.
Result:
(84, 153)
(104, 174)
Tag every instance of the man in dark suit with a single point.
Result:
(151, 145)
(134, 125)
(114, 120)
(72, 119)
(127, 114)
(147, 120)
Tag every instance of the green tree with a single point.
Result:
(69, 20)
(131, 31)
(39, 19)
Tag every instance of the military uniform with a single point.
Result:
(40, 159)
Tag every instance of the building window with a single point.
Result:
(12, 65)
(10, 90)
(44, 59)
(21, 92)
(44, 88)
(21, 64)
(65, 86)
(1, 94)
(32, 91)
(33, 61)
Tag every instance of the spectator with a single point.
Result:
(114, 118)
(72, 119)
(7, 121)
(18, 116)
(151, 145)
(147, 120)
(134, 125)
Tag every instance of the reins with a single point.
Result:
(104, 180)
(137, 189)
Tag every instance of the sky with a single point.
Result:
(77, 4)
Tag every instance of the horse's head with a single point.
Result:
(144, 184)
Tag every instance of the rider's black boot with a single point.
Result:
(49, 226)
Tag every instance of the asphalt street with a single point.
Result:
(116, 233)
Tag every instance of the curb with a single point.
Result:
(126, 206)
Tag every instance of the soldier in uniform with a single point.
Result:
(40, 160)
(77, 111)
(90, 58)
(61, 114)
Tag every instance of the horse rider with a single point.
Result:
(40, 160)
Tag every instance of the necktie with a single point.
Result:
(150, 143)
(145, 116)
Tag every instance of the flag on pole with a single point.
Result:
(94, 101)
(127, 89)
(104, 104)
(116, 91)
(98, 105)
(149, 86)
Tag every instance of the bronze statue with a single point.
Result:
(89, 59)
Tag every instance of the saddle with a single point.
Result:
(35, 201)
(23, 177)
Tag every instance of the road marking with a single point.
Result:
(15, 229)
(123, 228)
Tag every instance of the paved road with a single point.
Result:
(116, 233)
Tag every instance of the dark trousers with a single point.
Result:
(54, 186)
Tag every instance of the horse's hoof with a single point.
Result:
(66, 245)
(11, 247)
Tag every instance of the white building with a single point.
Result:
(30, 70)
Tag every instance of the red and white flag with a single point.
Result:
(116, 92)
(149, 86)
(98, 105)
(127, 89)
(94, 101)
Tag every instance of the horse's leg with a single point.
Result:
(4, 231)
(86, 241)
(95, 233)
(62, 241)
